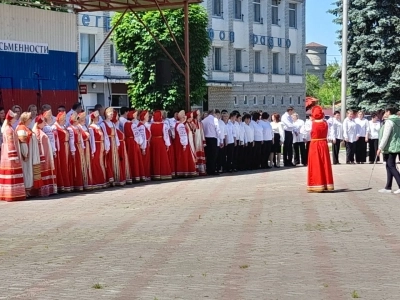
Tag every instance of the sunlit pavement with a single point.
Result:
(246, 236)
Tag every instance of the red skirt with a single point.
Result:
(185, 165)
(77, 168)
(146, 163)
(320, 176)
(171, 159)
(98, 167)
(64, 168)
(135, 160)
(159, 159)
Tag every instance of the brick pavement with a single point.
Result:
(251, 236)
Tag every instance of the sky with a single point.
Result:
(320, 28)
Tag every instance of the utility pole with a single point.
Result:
(345, 25)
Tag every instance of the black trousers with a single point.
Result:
(248, 156)
(335, 151)
(266, 149)
(300, 153)
(288, 148)
(373, 147)
(221, 160)
(211, 151)
(235, 157)
(230, 150)
(350, 151)
(361, 150)
(307, 150)
(257, 155)
(391, 171)
(241, 161)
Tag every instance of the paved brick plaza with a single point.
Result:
(249, 236)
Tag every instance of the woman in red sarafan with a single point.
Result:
(171, 150)
(124, 170)
(12, 187)
(64, 159)
(111, 143)
(185, 161)
(145, 146)
(76, 147)
(199, 144)
(320, 176)
(133, 140)
(159, 145)
(87, 183)
(47, 165)
(98, 152)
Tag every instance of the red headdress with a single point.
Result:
(142, 115)
(39, 119)
(94, 115)
(317, 113)
(114, 117)
(195, 114)
(10, 115)
(130, 115)
(61, 116)
(157, 116)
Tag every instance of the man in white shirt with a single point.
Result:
(374, 127)
(221, 160)
(123, 112)
(298, 141)
(362, 135)
(234, 119)
(287, 122)
(229, 140)
(77, 107)
(249, 142)
(307, 135)
(336, 136)
(268, 135)
(350, 136)
(211, 133)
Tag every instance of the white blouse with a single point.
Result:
(374, 128)
(277, 127)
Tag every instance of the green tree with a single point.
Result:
(373, 52)
(330, 90)
(139, 53)
(41, 4)
(313, 85)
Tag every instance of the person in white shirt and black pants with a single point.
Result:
(221, 157)
(249, 142)
(336, 136)
(287, 122)
(229, 142)
(298, 141)
(211, 133)
(362, 135)
(373, 141)
(268, 134)
(350, 136)
(258, 140)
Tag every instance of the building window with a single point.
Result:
(290, 100)
(257, 62)
(87, 45)
(293, 15)
(217, 8)
(255, 100)
(119, 100)
(275, 12)
(275, 63)
(245, 100)
(265, 100)
(273, 100)
(292, 65)
(235, 102)
(114, 55)
(298, 100)
(238, 58)
(282, 100)
(238, 9)
(217, 59)
(257, 10)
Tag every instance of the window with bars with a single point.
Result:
(275, 12)
(257, 62)
(255, 100)
(235, 101)
(273, 100)
(292, 64)
(238, 60)
(293, 15)
(298, 100)
(275, 63)
(245, 100)
(217, 59)
(282, 101)
(265, 100)
(217, 8)
(238, 9)
(290, 100)
(257, 10)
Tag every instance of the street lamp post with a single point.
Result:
(345, 25)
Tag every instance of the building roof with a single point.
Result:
(313, 44)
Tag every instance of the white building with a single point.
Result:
(105, 80)
(257, 59)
